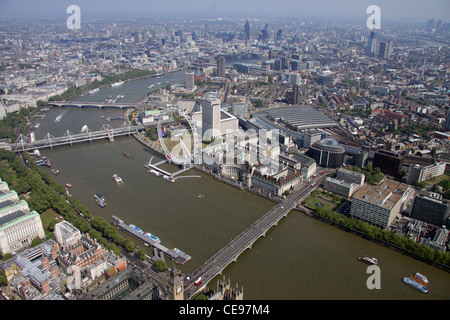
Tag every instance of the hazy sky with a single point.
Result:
(391, 10)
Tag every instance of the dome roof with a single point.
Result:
(328, 144)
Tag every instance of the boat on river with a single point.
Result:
(369, 260)
(117, 178)
(100, 200)
(94, 90)
(169, 178)
(115, 84)
(416, 285)
(156, 173)
(152, 237)
(58, 117)
(99, 196)
(420, 278)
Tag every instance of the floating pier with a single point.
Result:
(177, 255)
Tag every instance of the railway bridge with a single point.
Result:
(24, 143)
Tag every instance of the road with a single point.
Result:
(243, 241)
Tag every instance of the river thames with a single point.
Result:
(301, 258)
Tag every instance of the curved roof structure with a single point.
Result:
(329, 144)
(298, 117)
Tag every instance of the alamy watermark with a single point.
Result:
(74, 20)
(374, 280)
(374, 20)
(232, 147)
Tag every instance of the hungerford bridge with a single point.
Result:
(24, 143)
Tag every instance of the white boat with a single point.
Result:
(156, 173)
(115, 84)
(94, 90)
(420, 278)
(37, 153)
(58, 118)
(369, 260)
(151, 86)
(169, 178)
(152, 237)
(117, 178)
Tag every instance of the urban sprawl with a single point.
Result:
(361, 116)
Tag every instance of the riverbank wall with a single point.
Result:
(299, 208)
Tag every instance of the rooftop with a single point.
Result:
(386, 194)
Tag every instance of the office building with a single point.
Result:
(339, 186)
(247, 30)
(372, 45)
(379, 205)
(216, 122)
(389, 162)
(66, 234)
(327, 153)
(386, 49)
(346, 182)
(417, 173)
(361, 159)
(221, 67)
(18, 225)
(429, 207)
(190, 81)
(310, 137)
(351, 176)
(210, 118)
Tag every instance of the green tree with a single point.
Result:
(36, 241)
(161, 265)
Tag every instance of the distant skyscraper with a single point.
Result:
(221, 67)
(385, 49)
(430, 25)
(372, 45)
(264, 33)
(190, 80)
(279, 36)
(247, 30)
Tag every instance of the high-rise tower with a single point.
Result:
(372, 45)
(221, 65)
(247, 30)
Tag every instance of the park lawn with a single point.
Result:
(48, 216)
(326, 205)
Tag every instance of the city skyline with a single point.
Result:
(400, 11)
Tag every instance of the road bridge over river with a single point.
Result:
(217, 263)
(89, 104)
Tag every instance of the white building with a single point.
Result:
(340, 186)
(18, 226)
(66, 234)
(216, 122)
(417, 173)
(380, 204)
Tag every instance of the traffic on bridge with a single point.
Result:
(216, 264)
